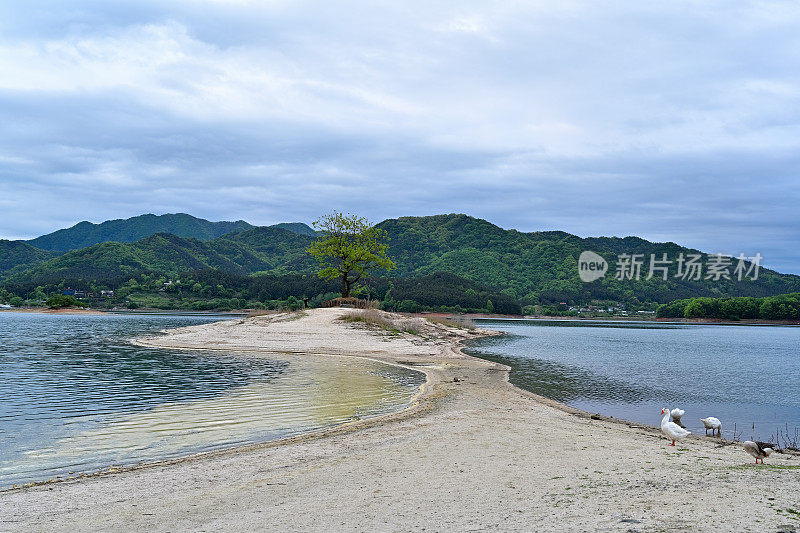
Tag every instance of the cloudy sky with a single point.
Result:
(678, 121)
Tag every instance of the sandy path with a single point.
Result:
(476, 455)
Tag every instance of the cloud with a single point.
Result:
(674, 122)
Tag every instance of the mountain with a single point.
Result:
(260, 249)
(20, 254)
(297, 227)
(542, 267)
(86, 234)
(163, 253)
(531, 268)
(282, 251)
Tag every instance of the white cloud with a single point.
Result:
(531, 114)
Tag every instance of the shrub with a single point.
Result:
(408, 306)
(60, 301)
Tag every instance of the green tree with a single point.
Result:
(348, 247)
(58, 301)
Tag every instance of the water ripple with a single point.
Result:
(77, 398)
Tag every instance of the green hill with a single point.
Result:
(297, 227)
(162, 253)
(20, 254)
(86, 234)
(542, 267)
(282, 251)
(531, 268)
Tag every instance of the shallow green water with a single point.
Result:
(77, 397)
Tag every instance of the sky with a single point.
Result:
(674, 121)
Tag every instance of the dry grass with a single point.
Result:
(374, 318)
(787, 440)
(348, 302)
(288, 316)
(261, 312)
(460, 322)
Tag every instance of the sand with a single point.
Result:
(475, 454)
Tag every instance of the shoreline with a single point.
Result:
(434, 314)
(48, 311)
(103, 312)
(466, 407)
(413, 408)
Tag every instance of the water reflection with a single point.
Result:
(745, 375)
(565, 383)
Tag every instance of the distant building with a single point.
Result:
(68, 292)
(107, 294)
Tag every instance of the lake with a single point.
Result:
(78, 397)
(747, 376)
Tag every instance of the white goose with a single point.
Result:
(713, 424)
(759, 450)
(671, 429)
(676, 415)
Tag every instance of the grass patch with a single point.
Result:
(376, 319)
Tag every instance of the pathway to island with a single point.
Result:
(473, 454)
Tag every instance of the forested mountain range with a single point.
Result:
(531, 268)
(19, 255)
(86, 234)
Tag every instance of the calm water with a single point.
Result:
(747, 375)
(76, 397)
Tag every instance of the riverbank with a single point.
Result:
(473, 453)
(49, 311)
(651, 318)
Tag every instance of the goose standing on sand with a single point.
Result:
(671, 429)
(758, 449)
(713, 424)
(676, 415)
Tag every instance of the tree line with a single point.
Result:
(780, 307)
(210, 289)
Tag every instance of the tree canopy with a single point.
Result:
(349, 246)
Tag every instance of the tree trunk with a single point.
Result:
(345, 287)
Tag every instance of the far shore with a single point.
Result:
(63, 311)
(473, 453)
(629, 318)
(480, 316)
(95, 311)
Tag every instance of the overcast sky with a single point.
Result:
(678, 121)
